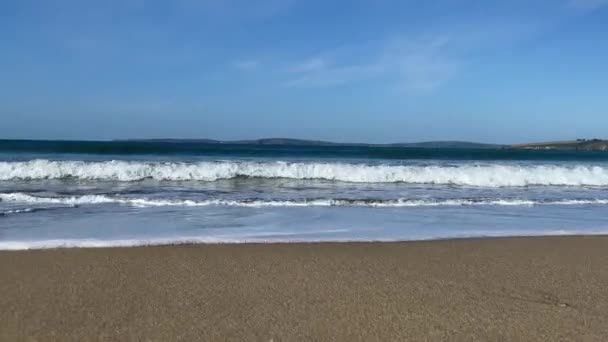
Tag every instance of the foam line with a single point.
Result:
(255, 203)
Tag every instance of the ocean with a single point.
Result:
(100, 194)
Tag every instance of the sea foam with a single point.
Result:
(181, 240)
(312, 202)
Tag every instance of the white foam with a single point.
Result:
(17, 211)
(491, 175)
(379, 203)
(97, 243)
(69, 200)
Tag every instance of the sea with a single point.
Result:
(131, 193)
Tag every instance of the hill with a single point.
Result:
(576, 145)
(301, 142)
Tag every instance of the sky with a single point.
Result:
(348, 71)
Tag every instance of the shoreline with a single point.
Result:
(125, 244)
(513, 288)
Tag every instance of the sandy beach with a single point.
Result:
(549, 288)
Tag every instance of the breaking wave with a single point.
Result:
(487, 175)
(256, 203)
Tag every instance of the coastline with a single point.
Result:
(85, 244)
(531, 288)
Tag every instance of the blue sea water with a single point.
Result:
(77, 194)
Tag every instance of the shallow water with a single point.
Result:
(114, 196)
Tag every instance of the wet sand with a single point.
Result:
(549, 288)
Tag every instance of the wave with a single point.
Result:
(321, 202)
(17, 211)
(28, 210)
(488, 175)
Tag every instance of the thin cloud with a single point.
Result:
(336, 75)
(587, 4)
(422, 65)
(236, 10)
(309, 65)
(417, 65)
(246, 65)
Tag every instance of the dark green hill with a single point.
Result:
(577, 145)
(301, 142)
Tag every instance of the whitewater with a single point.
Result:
(490, 175)
(261, 194)
(320, 202)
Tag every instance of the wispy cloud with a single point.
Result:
(587, 4)
(310, 65)
(414, 65)
(246, 65)
(423, 64)
(235, 10)
(336, 75)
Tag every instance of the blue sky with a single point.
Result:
(359, 70)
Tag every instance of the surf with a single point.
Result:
(467, 174)
(72, 201)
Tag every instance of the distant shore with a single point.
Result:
(176, 145)
(544, 288)
(573, 145)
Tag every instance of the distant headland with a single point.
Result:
(570, 145)
(302, 142)
(71, 146)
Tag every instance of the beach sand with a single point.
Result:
(549, 288)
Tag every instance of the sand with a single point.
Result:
(550, 288)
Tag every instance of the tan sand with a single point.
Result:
(482, 289)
